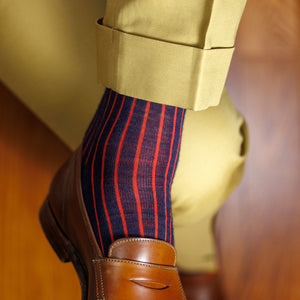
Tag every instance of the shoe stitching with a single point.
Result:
(134, 240)
(96, 277)
(135, 263)
(97, 268)
(102, 284)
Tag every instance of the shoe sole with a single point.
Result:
(62, 246)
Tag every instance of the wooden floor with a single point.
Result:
(29, 156)
(258, 228)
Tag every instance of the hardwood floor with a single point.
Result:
(29, 155)
(258, 228)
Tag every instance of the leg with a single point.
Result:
(129, 158)
(130, 151)
(213, 152)
(121, 29)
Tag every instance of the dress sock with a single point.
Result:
(129, 156)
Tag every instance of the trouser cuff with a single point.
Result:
(160, 71)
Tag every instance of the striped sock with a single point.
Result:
(129, 157)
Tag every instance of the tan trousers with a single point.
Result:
(212, 156)
(178, 53)
(173, 52)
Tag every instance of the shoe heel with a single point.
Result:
(54, 234)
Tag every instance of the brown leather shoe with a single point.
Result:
(204, 286)
(136, 268)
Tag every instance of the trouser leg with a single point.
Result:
(210, 166)
(170, 52)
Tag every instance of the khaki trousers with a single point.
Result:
(178, 53)
(171, 52)
(212, 156)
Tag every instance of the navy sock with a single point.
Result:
(129, 156)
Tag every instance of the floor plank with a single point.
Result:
(29, 155)
(259, 225)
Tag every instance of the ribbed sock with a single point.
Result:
(129, 156)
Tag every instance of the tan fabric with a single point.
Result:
(48, 60)
(210, 166)
(167, 52)
(159, 71)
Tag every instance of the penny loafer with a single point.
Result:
(135, 268)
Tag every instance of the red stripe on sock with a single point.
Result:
(135, 170)
(161, 123)
(175, 163)
(167, 170)
(91, 136)
(102, 170)
(178, 147)
(117, 167)
(87, 158)
(92, 172)
(92, 126)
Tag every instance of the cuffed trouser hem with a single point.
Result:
(160, 71)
